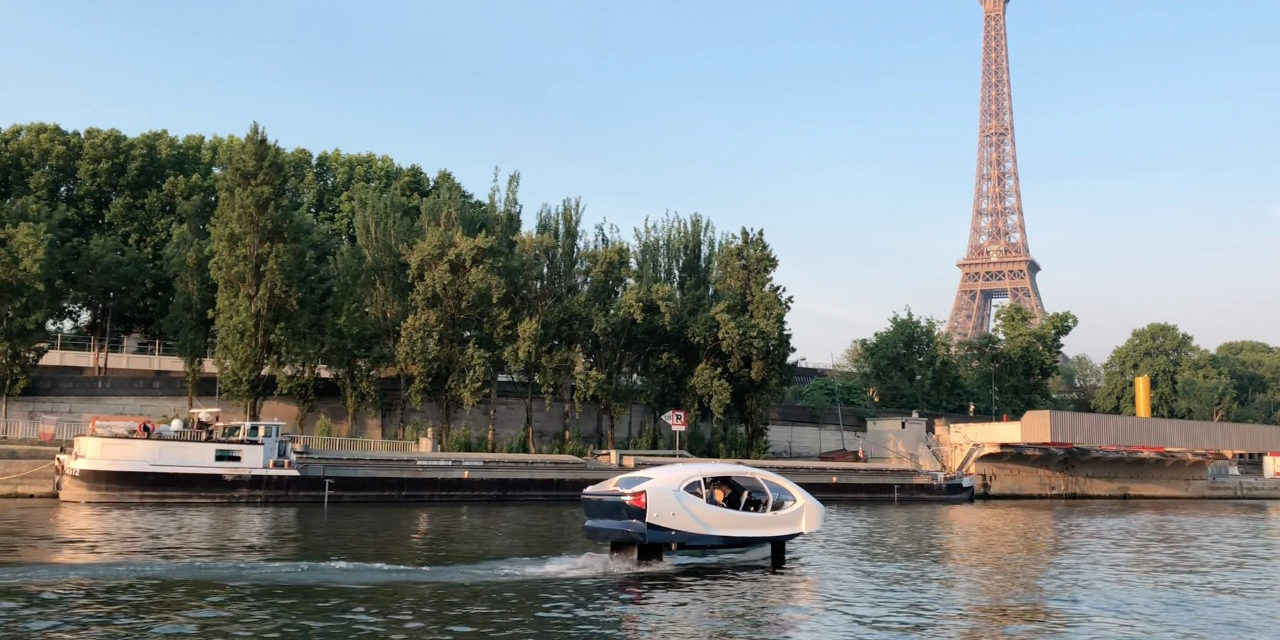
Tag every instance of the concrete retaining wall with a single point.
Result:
(19, 459)
(1023, 477)
(785, 440)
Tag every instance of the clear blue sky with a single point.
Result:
(1147, 130)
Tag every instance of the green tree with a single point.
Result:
(908, 365)
(371, 291)
(837, 389)
(547, 320)
(25, 306)
(189, 322)
(1254, 370)
(255, 240)
(750, 344)
(455, 288)
(614, 308)
(674, 266)
(565, 319)
(501, 220)
(1158, 350)
(1078, 381)
(1018, 359)
(301, 342)
(1205, 391)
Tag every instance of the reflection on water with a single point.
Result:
(1007, 569)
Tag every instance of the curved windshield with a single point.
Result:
(782, 498)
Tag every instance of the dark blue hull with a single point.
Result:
(637, 532)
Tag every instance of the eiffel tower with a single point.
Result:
(997, 264)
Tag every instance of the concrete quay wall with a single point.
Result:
(25, 471)
(1020, 477)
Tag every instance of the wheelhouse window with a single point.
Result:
(226, 455)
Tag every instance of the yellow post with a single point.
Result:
(1142, 396)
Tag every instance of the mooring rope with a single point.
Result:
(26, 472)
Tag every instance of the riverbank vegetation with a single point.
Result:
(914, 364)
(288, 264)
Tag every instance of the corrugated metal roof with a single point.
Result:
(1129, 431)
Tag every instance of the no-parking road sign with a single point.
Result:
(675, 418)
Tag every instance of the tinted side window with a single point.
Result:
(694, 487)
(754, 498)
(782, 498)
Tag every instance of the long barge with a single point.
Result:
(255, 462)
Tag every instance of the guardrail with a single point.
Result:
(328, 443)
(127, 345)
(37, 430)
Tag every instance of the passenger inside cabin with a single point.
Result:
(720, 491)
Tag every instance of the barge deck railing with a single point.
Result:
(330, 443)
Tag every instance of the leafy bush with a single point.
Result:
(515, 443)
(460, 440)
(324, 427)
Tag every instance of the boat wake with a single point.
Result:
(356, 574)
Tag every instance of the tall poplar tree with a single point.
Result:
(189, 322)
(746, 362)
(255, 244)
(25, 303)
(371, 291)
(455, 288)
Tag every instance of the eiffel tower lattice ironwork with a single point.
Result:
(998, 263)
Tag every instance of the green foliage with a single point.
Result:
(1254, 370)
(836, 391)
(1204, 390)
(189, 319)
(575, 446)
(732, 441)
(548, 321)
(455, 288)
(744, 367)
(282, 260)
(370, 291)
(461, 440)
(674, 264)
(515, 443)
(651, 437)
(24, 301)
(324, 427)
(908, 365)
(1078, 381)
(1016, 361)
(1158, 350)
(615, 309)
(258, 255)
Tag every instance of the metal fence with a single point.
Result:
(133, 344)
(38, 430)
(326, 443)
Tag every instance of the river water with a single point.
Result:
(1033, 569)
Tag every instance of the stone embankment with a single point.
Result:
(26, 469)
